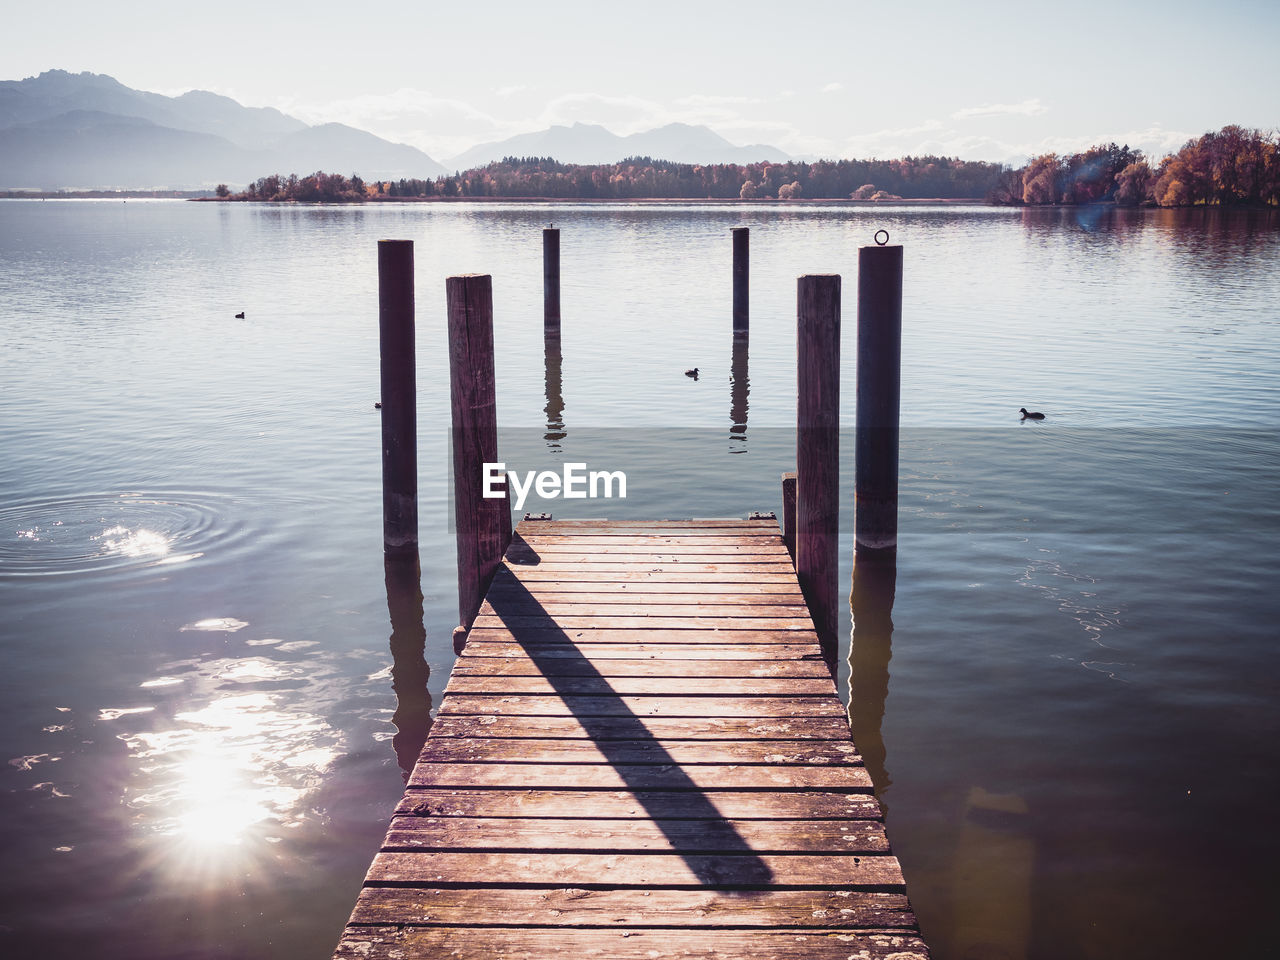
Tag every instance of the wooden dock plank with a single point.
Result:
(578, 907)
(670, 805)
(508, 834)
(639, 776)
(639, 753)
(641, 686)
(479, 749)
(638, 943)
(632, 728)
(587, 706)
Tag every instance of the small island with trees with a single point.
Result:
(1233, 166)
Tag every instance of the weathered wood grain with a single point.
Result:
(546, 632)
(571, 609)
(520, 664)
(644, 804)
(845, 871)
(495, 644)
(628, 728)
(517, 943)
(569, 623)
(640, 836)
(638, 776)
(579, 907)
(554, 706)
(480, 749)
(642, 686)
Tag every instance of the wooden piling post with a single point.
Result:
(399, 399)
(551, 280)
(483, 524)
(741, 279)
(818, 452)
(878, 394)
(789, 514)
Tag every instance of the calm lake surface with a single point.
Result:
(1071, 718)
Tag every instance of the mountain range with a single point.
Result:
(590, 143)
(65, 130)
(88, 131)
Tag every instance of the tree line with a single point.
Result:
(1233, 166)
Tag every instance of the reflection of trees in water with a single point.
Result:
(409, 670)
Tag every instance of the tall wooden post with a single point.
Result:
(818, 453)
(741, 279)
(551, 280)
(483, 525)
(879, 395)
(399, 399)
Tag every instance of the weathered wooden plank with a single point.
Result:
(514, 834)
(650, 540)
(708, 560)
(689, 523)
(659, 728)
(774, 573)
(637, 943)
(604, 621)
(521, 664)
(639, 776)
(698, 589)
(642, 686)
(643, 804)
(569, 610)
(604, 547)
(564, 750)
(578, 907)
(642, 706)
(747, 596)
(494, 629)
(654, 869)
(493, 645)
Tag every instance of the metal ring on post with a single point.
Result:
(879, 242)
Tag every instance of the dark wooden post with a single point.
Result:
(483, 525)
(741, 279)
(399, 399)
(551, 280)
(789, 514)
(818, 453)
(879, 393)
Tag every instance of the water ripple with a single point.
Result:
(112, 531)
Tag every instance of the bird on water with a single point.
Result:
(1030, 416)
(692, 373)
(240, 315)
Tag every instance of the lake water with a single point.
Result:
(1066, 691)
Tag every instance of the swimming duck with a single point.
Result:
(692, 373)
(1030, 416)
(240, 315)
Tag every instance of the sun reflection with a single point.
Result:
(220, 782)
(133, 543)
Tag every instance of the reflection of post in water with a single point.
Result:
(740, 387)
(409, 670)
(874, 584)
(555, 398)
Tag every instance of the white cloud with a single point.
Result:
(508, 91)
(832, 88)
(1026, 108)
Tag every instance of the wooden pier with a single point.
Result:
(640, 754)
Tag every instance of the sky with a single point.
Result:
(979, 80)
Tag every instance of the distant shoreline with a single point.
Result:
(705, 201)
